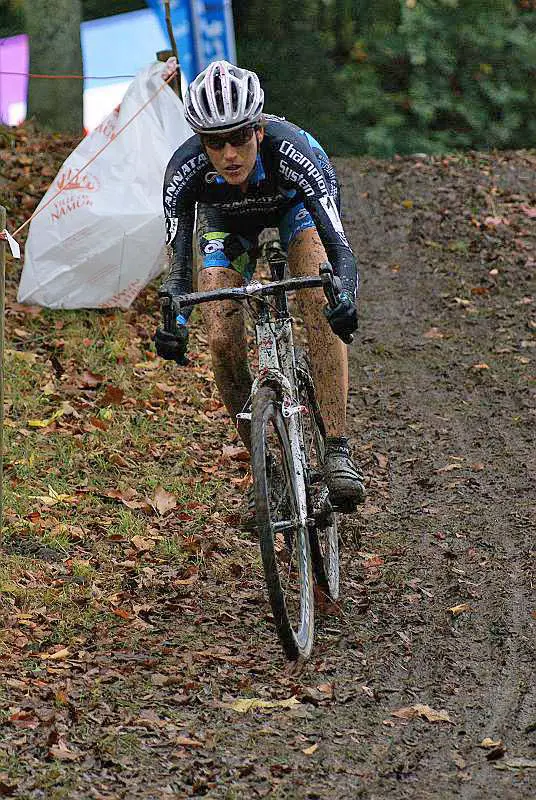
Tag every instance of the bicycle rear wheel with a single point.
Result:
(284, 537)
(323, 534)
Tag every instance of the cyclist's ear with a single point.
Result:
(259, 133)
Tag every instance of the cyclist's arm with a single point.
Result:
(179, 232)
(318, 188)
(179, 209)
(326, 217)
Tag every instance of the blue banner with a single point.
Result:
(204, 32)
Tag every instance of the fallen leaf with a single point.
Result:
(434, 333)
(44, 423)
(53, 497)
(308, 751)
(245, 704)
(460, 762)
(58, 655)
(318, 694)
(420, 710)
(113, 396)
(7, 788)
(163, 501)
(517, 763)
(61, 752)
(449, 468)
(495, 221)
(90, 380)
(233, 453)
(184, 741)
(480, 366)
(98, 423)
(455, 610)
(120, 612)
(142, 544)
(148, 364)
(25, 720)
(489, 743)
(22, 355)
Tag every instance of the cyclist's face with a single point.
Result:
(235, 162)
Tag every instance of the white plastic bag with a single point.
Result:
(103, 238)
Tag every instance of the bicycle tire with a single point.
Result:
(284, 548)
(324, 536)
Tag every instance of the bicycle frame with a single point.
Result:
(276, 361)
(277, 368)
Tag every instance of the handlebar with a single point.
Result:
(172, 306)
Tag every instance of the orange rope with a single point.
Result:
(97, 154)
(67, 77)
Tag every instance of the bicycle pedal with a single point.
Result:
(345, 506)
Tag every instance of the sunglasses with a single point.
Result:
(235, 139)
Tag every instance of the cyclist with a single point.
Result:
(241, 172)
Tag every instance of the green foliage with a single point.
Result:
(94, 9)
(398, 76)
(11, 18)
(297, 72)
(445, 75)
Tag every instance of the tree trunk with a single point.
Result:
(54, 30)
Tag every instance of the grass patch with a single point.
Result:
(96, 428)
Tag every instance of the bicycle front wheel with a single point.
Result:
(283, 535)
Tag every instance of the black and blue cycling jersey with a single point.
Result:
(292, 187)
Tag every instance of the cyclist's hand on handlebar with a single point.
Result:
(343, 317)
(172, 346)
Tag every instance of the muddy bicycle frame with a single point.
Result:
(276, 354)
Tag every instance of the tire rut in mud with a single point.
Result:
(451, 408)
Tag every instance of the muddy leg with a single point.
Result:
(327, 353)
(226, 330)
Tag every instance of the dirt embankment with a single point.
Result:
(434, 650)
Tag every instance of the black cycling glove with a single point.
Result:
(172, 346)
(343, 318)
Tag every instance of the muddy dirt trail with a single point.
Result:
(433, 652)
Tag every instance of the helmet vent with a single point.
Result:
(204, 101)
(234, 97)
(218, 94)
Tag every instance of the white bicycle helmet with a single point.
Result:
(223, 98)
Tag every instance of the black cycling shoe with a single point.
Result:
(345, 481)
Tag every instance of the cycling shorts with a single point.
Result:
(221, 246)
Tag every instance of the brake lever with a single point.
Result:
(331, 290)
(166, 307)
(332, 287)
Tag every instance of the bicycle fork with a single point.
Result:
(277, 368)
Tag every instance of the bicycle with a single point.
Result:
(296, 524)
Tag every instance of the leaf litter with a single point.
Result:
(199, 587)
